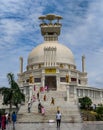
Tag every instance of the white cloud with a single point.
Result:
(19, 19)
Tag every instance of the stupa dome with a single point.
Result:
(63, 53)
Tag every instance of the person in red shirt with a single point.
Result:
(3, 122)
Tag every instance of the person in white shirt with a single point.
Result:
(58, 118)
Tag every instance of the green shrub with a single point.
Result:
(85, 102)
(99, 111)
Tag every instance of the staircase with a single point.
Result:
(68, 109)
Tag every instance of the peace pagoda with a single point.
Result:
(52, 65)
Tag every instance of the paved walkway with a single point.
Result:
(52, 126)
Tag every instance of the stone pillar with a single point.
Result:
(77, 78)
(79, 92)
(83, 63)
(75, 95)
(58, 82)
(55, 56)
(67, 87)
(21, 64)
(83, 92)
(43, 80)
(47, 55)
(92, 93)
(30, 92)
(89, 93)
(52, 64)
(44, 56)
(52, 56)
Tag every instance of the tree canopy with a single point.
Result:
(12, 95)
(85, 102)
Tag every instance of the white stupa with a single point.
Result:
(53, 65)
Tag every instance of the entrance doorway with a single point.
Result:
(50, 81)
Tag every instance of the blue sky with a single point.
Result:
(82, 32)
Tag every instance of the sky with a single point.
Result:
(82, 32)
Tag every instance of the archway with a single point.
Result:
(50, 81)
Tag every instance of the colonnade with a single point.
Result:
(95, 95)
(89, 93)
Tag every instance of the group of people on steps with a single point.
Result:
(41, 108)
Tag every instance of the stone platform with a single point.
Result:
(52, 126)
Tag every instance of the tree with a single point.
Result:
(85, 102)
(12, 95)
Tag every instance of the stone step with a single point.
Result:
(55, 94)
(68, 109)
(50, 113)
(67, 105)
(64, 107)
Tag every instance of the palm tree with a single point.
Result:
(12, 95)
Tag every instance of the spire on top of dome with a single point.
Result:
(50, 27)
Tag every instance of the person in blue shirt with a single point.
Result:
(14, 118)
